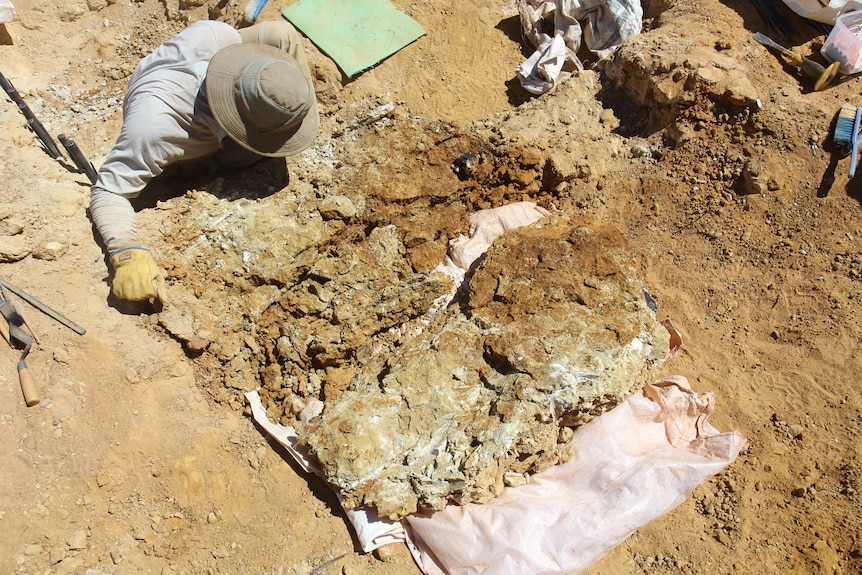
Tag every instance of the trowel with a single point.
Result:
(822, 76)
(16, 336)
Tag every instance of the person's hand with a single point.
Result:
(137, 276)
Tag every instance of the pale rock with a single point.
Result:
(313, 409)
(386, 553)
(739, 90)
(71, 12)
(179, 321)
(68, 566)
(761, 174)
(727, 83)
(512, 479)
(56, 555)
(562, 167)
(78, 540)
(796, 431)
(33, 549)
(13, 249)
(753, 179)
(337, 208)
(50, 250)
(11, 225)
(677, 134)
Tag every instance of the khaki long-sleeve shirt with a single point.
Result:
(167, 119)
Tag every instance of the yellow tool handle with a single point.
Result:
(794, 58)
(31, 394)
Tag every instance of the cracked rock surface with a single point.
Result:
(554, 329)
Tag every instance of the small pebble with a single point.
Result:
(56, 555)
(385, 553)
(795, 431)
(78, 540)
(33, 549)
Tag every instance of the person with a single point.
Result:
(237, 96)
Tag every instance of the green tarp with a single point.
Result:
(356, 34)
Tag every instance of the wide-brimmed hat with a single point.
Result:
(260, 96)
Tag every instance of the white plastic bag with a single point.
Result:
(555, 29)
(7, 12)
(371, 531)
(488, 225)
(815, 10)
(630, 466)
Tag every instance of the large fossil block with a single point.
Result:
(554, 329)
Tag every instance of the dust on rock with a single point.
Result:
(521, 360)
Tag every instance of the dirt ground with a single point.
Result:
(746, 226)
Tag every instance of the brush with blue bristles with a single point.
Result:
(252, 10)
(846, 133)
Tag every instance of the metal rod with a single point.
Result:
(32, 121)
(43, 308)
(78, 157)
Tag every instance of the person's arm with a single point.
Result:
(137, 276)
(147, 144)
(160, 127)
(114, 218)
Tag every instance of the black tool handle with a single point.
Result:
(32, 121)
(78, 157)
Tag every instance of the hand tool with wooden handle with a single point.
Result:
(17, 335)
(822, 76)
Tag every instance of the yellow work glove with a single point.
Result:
(137, 276)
